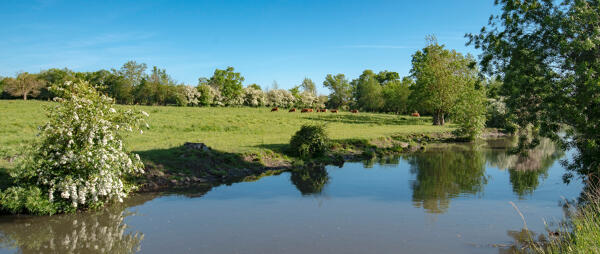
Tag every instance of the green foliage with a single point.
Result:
(440, 76)
(340, 90)
(255, 86)
(24, 85)
(308, 86)
(29, 199)
(442, 175)
(310, 141)
(229, 84)
(497, 115)
(547, 56)
(469, 113)
(79, 154)
(396, 95)
(310, 181)
(206, 96)
(367, 92)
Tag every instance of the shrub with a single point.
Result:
(79, 159)
(469, 113)
(253, 97)
(310, 141)
(498, 116)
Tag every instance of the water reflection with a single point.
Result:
(526, 169)
(442, 175)
(90, 232)
(310, 181)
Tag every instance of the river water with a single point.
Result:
(451, 199)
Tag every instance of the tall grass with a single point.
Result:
(581, 233)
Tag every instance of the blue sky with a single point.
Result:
(264, 40)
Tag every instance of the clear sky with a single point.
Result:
(264, 40)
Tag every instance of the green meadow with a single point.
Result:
(231, 129)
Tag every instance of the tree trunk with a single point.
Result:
(438, 118)
(25, 96)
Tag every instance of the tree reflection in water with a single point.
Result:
(526, 169)
(88, 232)
(310, 181)
(445, 174)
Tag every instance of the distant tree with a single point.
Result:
(387, 76)
(396, 95)
(440, 75)
(2, 83)
(203, 81)
(56, 77)
(133, 72)
(229, 84)
(340, 90)
(206, 96)
(25, 84)
(255, 86)
(274, 85)
(308, 86)
(295, 91)
(367, 91)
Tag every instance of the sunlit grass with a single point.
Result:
(235, 130)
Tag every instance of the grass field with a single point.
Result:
(232, 130)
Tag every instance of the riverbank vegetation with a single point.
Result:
(546, 54)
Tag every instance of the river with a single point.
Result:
(449, 199)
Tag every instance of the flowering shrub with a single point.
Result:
(79, 159)
(307, 100)
(192, 95)
(253, 97)
(280, 98)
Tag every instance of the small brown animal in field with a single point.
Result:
(274, 109)
(354, 111)
(322, 110)
(292, 110)
(416, 114)
(334, 111)
(306, 110)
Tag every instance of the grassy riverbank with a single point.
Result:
(241, 138)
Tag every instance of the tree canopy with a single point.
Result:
(441, 75)
(547, 57)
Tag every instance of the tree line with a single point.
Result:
(442, 83)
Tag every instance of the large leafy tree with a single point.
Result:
(547, 57)
(441, 76)
(340, 90)
(229, 83)
(133, 72)
(25, 84)
(367, 91)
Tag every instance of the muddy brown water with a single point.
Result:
(451, 199)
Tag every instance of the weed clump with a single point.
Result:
(310, 141)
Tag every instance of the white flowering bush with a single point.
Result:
(253, 97)
(192, 95)
(217, 97)
(307, 100)
(79, 159)
(280, 98)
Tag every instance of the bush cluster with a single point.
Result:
(310, 141)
